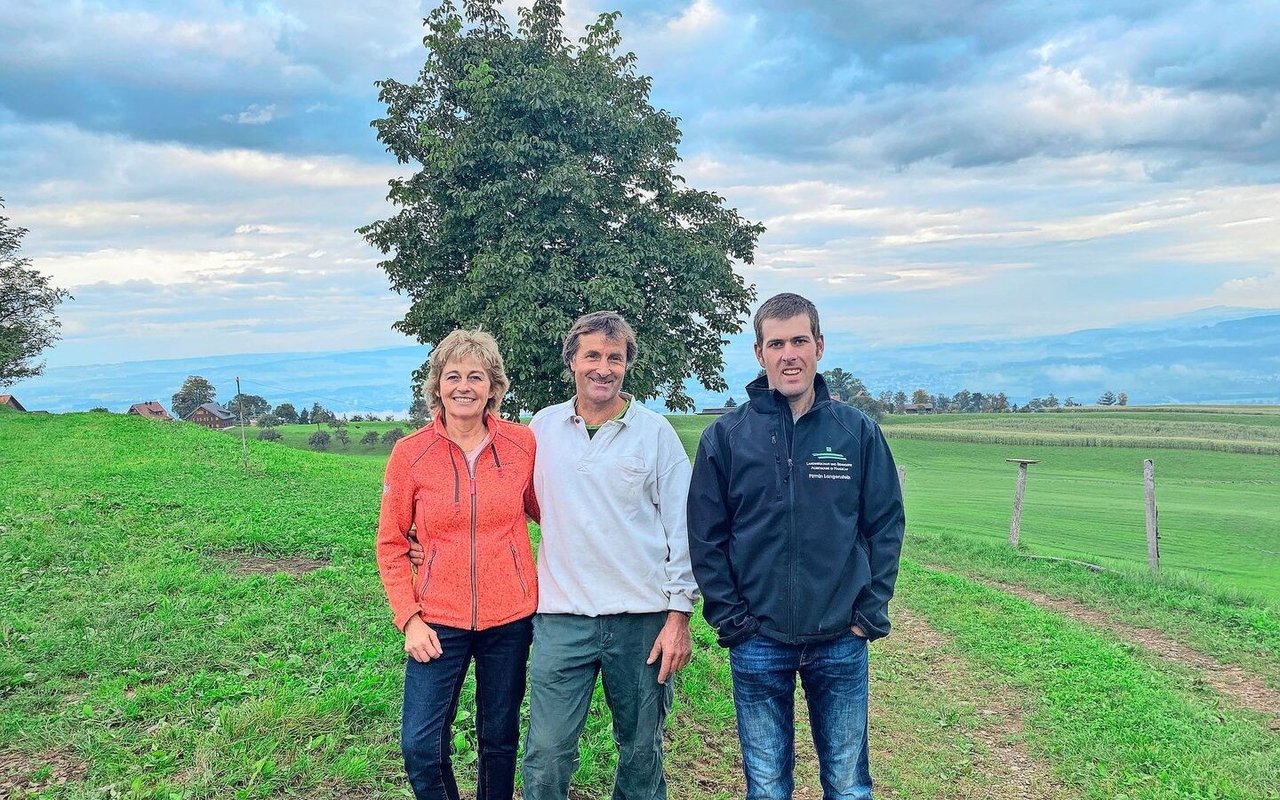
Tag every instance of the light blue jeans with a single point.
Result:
(834, 677)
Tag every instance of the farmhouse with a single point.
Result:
(210, 415)
(917, 408)
(150, 409)
(9, 401)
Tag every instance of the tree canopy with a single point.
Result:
(27, 302)
(195, 392)
(545, 189)
(320, 414)
(252, 406)
(287, 413)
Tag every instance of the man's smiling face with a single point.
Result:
(598, 369)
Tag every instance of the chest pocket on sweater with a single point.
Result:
(628, 478)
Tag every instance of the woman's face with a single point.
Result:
(465, 389)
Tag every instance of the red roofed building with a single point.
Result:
(150, 409)
(210, 415)
(9, 401)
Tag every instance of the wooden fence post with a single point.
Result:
(1153, 516)
(1015, 524)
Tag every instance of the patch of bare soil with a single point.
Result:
(1235, 683)
(23, 774)
(244, 564)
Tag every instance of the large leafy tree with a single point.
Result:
(27, 302)
(545, 188)
(287, 413)
(252, 406)
(195, 392)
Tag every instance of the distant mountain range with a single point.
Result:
(1217, 355)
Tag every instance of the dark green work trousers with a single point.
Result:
(569, 651)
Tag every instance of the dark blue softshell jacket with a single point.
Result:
(795, 528)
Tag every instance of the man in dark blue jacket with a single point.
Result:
(795, 528)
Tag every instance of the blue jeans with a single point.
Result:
(569, 652)
(834, 677)
(431, 704)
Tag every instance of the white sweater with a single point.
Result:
(613, 514)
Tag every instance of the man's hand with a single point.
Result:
(420, 642)
(673, 646)
(415, 549)
(857, 631)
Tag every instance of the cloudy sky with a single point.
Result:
(194, 171)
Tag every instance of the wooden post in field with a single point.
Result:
(1153, 516)
(1015, 525)
(244, 448)
(902, 478)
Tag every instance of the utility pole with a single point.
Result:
(1153, 516)
(244, 446)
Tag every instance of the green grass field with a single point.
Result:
(145, 651)
(1254, 431)
(295, 436)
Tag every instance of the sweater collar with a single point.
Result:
(571, 410)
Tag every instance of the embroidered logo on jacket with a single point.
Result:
(829, 465)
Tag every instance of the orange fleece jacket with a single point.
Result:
(478, 570)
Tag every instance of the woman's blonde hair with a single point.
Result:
(460, 345)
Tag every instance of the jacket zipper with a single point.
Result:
(515, 559)
(426, 574)
(791, 517)
(475, 589)
(777, 464)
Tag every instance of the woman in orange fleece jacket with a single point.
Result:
(465, 483)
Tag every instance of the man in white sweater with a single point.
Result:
(615, 586)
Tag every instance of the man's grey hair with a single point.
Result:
(609, 323)
(786, 306)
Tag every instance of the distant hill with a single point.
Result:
(1210, 356)
(1184, 360)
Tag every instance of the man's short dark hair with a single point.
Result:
(786, 306)
(610, 323)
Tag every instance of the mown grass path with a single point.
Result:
(1239, 685)
(1112, 723)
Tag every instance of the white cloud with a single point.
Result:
(253, 115)
(699, 17)
(159, 266)
(244, 230)
(1253, 291)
